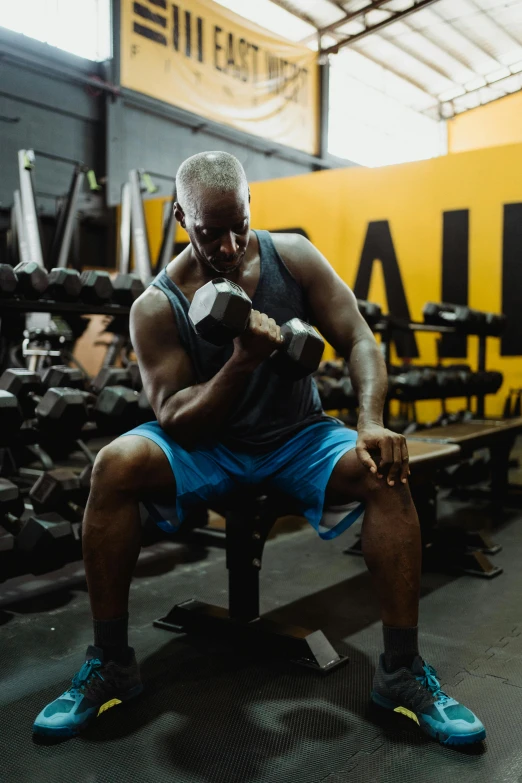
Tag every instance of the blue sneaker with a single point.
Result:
(97, 687)
(416, 693)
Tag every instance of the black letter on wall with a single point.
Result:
(512, 280)
(379, 245)
(455, 275)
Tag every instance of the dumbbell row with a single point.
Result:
(420, 383)
(30, 281)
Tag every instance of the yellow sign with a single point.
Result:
(199, 56)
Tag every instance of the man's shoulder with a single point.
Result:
(151, 304)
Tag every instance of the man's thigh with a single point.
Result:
(348, 481)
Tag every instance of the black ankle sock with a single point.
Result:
(112, 637)
(400, 647)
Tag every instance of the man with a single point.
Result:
(224, 417)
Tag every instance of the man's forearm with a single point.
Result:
(370, 380)
(197, 413)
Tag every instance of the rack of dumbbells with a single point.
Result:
(53, 418)
(409, 383)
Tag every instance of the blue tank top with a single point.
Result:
(271, 410)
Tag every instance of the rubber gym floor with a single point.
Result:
(212, 715)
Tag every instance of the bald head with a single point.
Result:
(209, 175)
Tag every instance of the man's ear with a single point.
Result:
(179, 214)
(249, 195)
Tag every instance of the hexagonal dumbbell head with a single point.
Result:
(62, 412)
(96, 287)
(32, 279)
(220, 311)
(23, 384)
(111, 376)
(127, 288)
(116, 409)
(65, 285)
(62, 375)
(10, 418)
(301, 351)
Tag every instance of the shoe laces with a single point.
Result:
(429, 681)
(86, 675)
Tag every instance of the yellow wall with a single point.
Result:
(499, 122)
(335, 207)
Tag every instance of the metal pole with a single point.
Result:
(30, 217)
(125, 229)
(64, 230)
(140, 239)
(19, 228)
(169, 235)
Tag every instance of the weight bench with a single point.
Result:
(497, 436)
(250, 516)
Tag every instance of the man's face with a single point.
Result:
(219, 229)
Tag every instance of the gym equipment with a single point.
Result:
(112, 376)
(249, 519)
(464, 319)
(96, 287)
(220, 311)
(63, 491)
(42, 539)
(65, 285)
(126, 289)
(370, 311)
(116, 410)
(32, 280)
(10, 417)
(62, 375)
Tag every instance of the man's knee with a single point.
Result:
(378, 489)
(122, 465)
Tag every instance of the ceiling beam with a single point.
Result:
(299, 14)
(395, 16)
(348, 17)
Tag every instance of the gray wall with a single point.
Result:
(45, 105)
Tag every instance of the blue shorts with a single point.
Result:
(301, 469)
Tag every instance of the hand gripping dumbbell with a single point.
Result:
(220, 312)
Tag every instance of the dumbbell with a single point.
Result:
(65, 285)
(118, 376)
(464, 319)
(10, 418)
(370, 311)
(126, 289)
(28, 279)
(96, 287)
(62, 490)
(62, 375)
(220, 312)
(58, 409)
(42, 539)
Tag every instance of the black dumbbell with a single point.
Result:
(116, 410)
(41, 539)
(33, 280)
(59, 409)
(10, 418)
(118, 376)
(65, 285)
(62, 375)
(126, 289)
(28, 279)
(464, 319)
(370, 311)
(96, 287)
(62, 490)
(220, 312)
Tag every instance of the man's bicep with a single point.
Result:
(333, 304)
(164, 364)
